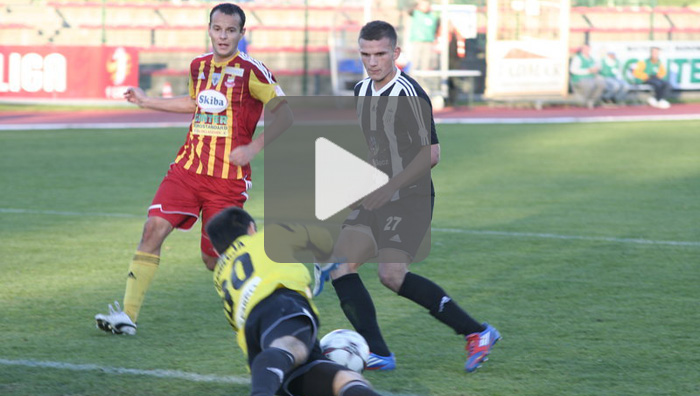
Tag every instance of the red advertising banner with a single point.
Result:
(67, 72)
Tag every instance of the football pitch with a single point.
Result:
(579, 242)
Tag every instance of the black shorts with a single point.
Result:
(400, 224)
(284, 312)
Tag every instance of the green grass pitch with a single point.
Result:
(579, 242)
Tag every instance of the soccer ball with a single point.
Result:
(347, 348)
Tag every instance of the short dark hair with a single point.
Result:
(377, 30)
(229, 9)
(228, 225)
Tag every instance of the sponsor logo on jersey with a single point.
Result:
(211, 101)
(201, 76)
(211, 118)
(210, 125)
(210, 130)
(234, 71)
(215, 78)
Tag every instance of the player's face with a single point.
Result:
(225, 33)
(379, 58)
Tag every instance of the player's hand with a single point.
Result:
(242, 155)
(135, 95)
(379, 197)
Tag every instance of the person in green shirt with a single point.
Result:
(422, 35)
(616, 87)
(653, 72)
(585, 80)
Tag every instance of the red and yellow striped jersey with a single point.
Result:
(230, 97)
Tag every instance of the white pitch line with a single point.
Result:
(170, 374)
(91, 126)
(438, 120)
(174, 374)
(638, 241)
(64, 213)
(568, 120)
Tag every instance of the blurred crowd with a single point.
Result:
(603, 81)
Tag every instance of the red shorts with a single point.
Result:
(183, 195)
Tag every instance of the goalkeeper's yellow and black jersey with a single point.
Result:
(245, 275)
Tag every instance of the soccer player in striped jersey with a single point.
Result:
(227, 92)
(373, 229)
(269, 306)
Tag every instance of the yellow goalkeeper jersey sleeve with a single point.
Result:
(245, 275)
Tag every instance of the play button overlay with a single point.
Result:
(323, 169)
(341, 179)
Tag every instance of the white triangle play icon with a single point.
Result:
(341, 179)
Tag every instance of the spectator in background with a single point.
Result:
(585, 80)
(422, 36)
(653, 72)
(616, 87)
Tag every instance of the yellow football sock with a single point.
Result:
(143, 267)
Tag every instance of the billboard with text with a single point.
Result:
(681, 58)
(527, 48)
(53, 72)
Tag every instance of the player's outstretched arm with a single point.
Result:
(177, 104)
